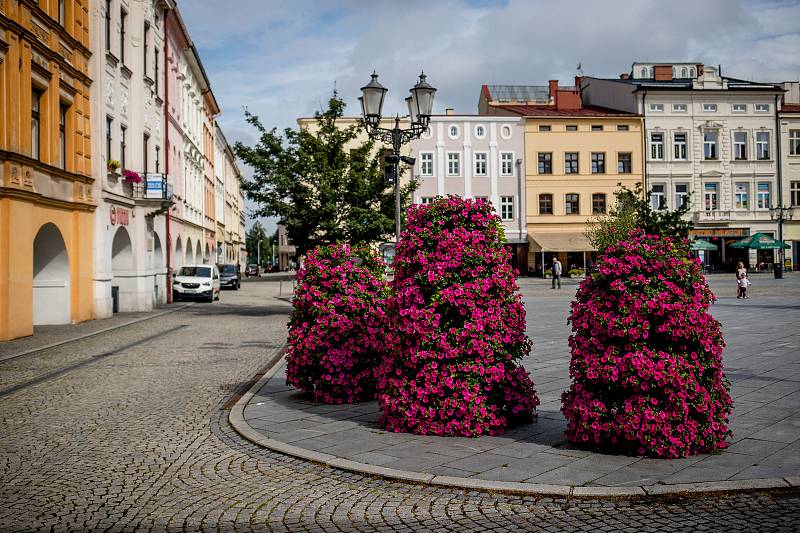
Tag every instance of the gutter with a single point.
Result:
(644, 143)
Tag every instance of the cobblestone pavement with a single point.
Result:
(126, 430)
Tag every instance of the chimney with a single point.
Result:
(624, 76)
(553, 85)
(449, 111)
(578, 81)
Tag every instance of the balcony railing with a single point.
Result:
(154, 187)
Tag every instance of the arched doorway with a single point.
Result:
(124, 283)
(52, 303)
(207, 257)
(178, 261)
(198, 255)
(159, 268)
(189, 252)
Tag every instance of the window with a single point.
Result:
(484, 199)
(679, 108)
(506, 163)
(597, 127)
(622, 127)
(571, 163)
(62, 135)
(505, 132)
(109, 123)
(507, 207)
(681, 194)
(598, 203)
(658, 200)
(122, 16)
(656, 108)
(598, 163)
(155, 70)
(145, 47)
(572, 127)
(741, 196)
(691, 72)
(453, 131)
(710, 197)
(480, 163)
(425, 200)
(158, 158)
(709, 108)
(739, 108)
(643, 73)
(546, 204)
(740, 145)
(762, 145)
(794, 142)
(794, 189)
(108, 26)
(710, 145)
(656, 146)
(480, 131)
(683, 72)
(762, 195)
(624, 163)
(544, 128)
(62, 12)
(453, 164)
(145, 151)
(426, 163)
(122, 131)
(572, 204)
(762, 108)
(36, 100)
(545, 163)
(680, 146)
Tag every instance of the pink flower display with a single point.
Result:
(335, 331)
(458, 327)
(646, 364)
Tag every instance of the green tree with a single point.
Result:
(633, 210)
(255, 235)
(323, 186)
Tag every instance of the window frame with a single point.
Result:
(623, 127)
(711, 194)
(545, 127)
(713, 145)
(680, 147)
(123, 147)
(480, 127)
(502, 162)
(710, 108)
(568, 202)
(36, 123)
(109, 137)
(504, 205)
(597, 127)
(794, 193)
(676, 108)
(422, 163)
(657, 147)
(656, 108)
(763, 199)
(485, 163)
(457, 161)
(450, 129)
(123, 16)
(63, 117)
(741, 199)
(599, 196)
(763, 146)
(621, 168)
(598, 162)
(546, 199)
(739, 146)
(681, 197)
(742, 110)
(108, 27)
(761, 108)
(661, 195)
(794, 142)
(548, 161)
(568, 163)
(571, 127)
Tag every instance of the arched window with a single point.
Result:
(643, 73)
(683, 72)
(691, 72)
(650, 72)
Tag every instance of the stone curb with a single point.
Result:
(93, 333)
(237, 421)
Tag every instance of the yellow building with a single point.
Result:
(46, 204)
(575, 157)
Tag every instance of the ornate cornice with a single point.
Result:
(44, 167)
(39, 199)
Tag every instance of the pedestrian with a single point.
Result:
(743, 283)
(741, 272)
(556, 272)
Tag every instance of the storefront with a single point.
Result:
(725, 258)
(573, 250)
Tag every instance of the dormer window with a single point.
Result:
(683, 72)
(691, 72)
(643, 73)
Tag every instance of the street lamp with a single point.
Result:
(779, 214)
(420, 105)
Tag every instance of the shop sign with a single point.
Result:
(119, 215)
(719, 232)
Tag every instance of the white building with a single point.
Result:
(475, 156)
(128, 127)
(789, 115)
(710, 140)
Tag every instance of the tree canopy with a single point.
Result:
(323, 184)
(255, 235)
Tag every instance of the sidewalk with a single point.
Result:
(47, 336)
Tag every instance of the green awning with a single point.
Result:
(702, 245)
(760, 241)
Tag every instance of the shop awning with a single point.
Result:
(760, 241)
(560, 242)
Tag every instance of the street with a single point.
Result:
(128, 429)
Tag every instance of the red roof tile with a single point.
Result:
(551, 111)
(790, 108)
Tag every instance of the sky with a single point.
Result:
(282, 60)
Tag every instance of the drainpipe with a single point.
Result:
(781, 251)
(520, 213)
(166, 152)
(644, 142)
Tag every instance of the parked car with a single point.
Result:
(229, 276)
(196, 281)
(251, 270)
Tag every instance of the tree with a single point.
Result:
(632, 211)
(255, 234)
(324, 187)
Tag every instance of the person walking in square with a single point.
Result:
(743, 283)
(740, 273)
(556, 272)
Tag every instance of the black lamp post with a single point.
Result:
(779, 214)
(420, 105)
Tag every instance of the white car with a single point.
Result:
(196, 281)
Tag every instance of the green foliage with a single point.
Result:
(323, 186)
(255, 234)
(632, 211)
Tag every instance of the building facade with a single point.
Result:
(47, 199)
(230, 204)
(479, 157)
(130, 268)
(710, 141)
(789, 116)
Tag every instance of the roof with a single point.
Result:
(516, 93)
(687, 84)
(789, 108)
(551, 111)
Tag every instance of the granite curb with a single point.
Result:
(93, 333)
(240, 425)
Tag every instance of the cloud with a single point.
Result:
(282, 59)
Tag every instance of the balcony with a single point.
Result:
(737, 215)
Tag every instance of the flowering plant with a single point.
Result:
(452, 367)
(113, 165)
(335, 340)
(131, 176)
(646, 365)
